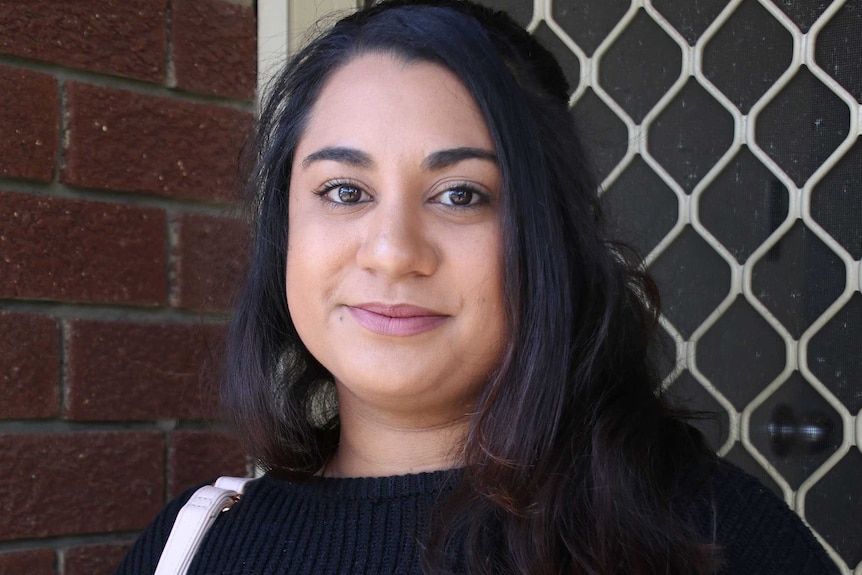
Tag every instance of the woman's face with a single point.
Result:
(394, 278)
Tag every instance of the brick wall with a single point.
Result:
(120, 126)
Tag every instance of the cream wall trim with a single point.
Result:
(282, 25)
(305, 14)
(272, 26)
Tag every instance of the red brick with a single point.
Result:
(29, 366)
(198, 456)
(123, 37)
(31, 562)
(214, 47)
(123, 370)
(209, 261)
(93, 559)
(77, 483)
(120, 140)
(29, 124)
(79, 251)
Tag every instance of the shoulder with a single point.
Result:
(143, 557)
(755, 529)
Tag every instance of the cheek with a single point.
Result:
(297, 307)
(314, 268)
(300, 273)
(293, 280)
(490, 288)
(486, 289)
(305, 301)
(302, 249)
(495, 298)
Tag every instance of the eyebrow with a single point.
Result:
(445, 158)
(435, 161)
(343, 155)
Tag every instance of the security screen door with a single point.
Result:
(727, 138)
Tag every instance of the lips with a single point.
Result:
(396, 320)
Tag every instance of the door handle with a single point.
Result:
(790, 432)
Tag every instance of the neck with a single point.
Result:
(375, 443)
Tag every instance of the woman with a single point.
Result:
(439, 356)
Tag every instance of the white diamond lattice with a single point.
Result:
(741, 274)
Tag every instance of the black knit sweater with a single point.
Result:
(372, 525)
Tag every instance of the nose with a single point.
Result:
(397, 242)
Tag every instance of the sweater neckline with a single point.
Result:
(387, 487)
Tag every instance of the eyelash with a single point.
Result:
(478, 199)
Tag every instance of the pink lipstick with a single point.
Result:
(395, 320)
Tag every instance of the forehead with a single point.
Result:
(378, 98)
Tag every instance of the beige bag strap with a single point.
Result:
(194, 520)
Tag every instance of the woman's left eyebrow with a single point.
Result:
(449, 157)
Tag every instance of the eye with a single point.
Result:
(346, 194)
(460, 196)
(343, 193)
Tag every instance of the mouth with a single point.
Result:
(400, 320)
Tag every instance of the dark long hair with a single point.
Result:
(572, 462)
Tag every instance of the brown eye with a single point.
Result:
(460, 197)
(344, 194)
(349, 194)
